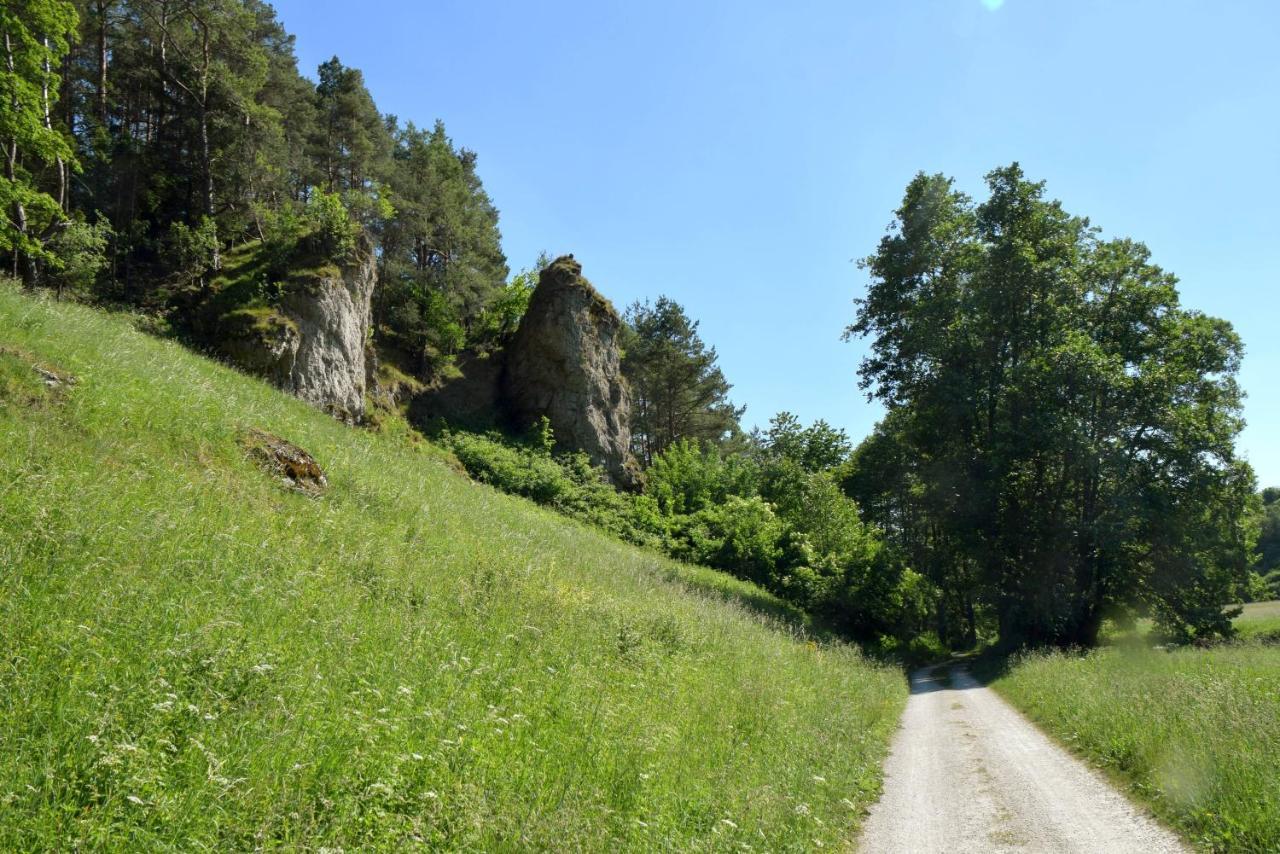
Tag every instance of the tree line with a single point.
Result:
(145, 138)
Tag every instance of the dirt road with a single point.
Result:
(967, 773)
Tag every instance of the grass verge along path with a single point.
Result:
(1195, 732)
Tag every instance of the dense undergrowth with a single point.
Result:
(1193, 732)
(197, 657)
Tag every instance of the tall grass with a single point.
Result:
(1194, 732)
(193, 657)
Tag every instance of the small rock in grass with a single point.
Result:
(298, 469)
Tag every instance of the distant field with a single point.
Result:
(195, 658)
(1256, 619)
(1260, 618)
(1194, 732)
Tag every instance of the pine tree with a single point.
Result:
(677, 389)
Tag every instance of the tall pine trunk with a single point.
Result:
(23, 263)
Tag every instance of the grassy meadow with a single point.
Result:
(1193, 732)
(1260, 620)
(195, 657)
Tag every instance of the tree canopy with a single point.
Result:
(678, 391)
(1060, 431)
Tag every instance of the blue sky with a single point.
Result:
(737, 156)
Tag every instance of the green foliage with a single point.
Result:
(1060, 431)
(1269, 533)
(191, 251)
(817, 447)
(741, 535)
(567, 483)
(677, 390)
(351, 145)
(210, 661)
(1195, 733)
(810, 547)
(688, 477)
(1257, 589)
(36, 34)
(78, 255)
(442, 265)
(501, 316)
(330, 233)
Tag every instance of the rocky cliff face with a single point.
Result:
(314, 344)
(564, 363)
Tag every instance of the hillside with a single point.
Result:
(198, 657)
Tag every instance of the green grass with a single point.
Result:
(1193, 732)
(193, 657)
(1260, 620)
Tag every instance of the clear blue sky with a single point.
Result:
(736, 156)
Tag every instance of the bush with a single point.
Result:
(189, 252)
(811, 548)
(79, 255)
(688, 477)
(568, 483)
(510, 469)
(499, 319)
(742, 536)
(331, 232)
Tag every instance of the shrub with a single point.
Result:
(742, 536)
(189, 252)
(79, 255)
(331, 232)
(687, 477)
(568, 483)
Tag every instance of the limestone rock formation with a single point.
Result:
(314, 344)
(564, 363)
(333, 317)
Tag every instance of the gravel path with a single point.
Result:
(967, 773)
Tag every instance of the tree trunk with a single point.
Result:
(205, 154)
(48, 125)
(23, 263)
(100, 93)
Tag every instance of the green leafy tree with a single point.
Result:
(1267, 566)
(36, 34)
(817, 447)
(501, 316)
(1076, 424)
(78, 255)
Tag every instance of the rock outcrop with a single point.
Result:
(314, 343)
(333, 316)
(295, 467)
(564, 363)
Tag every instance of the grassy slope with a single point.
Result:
(195, 657)
(1195, 732)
